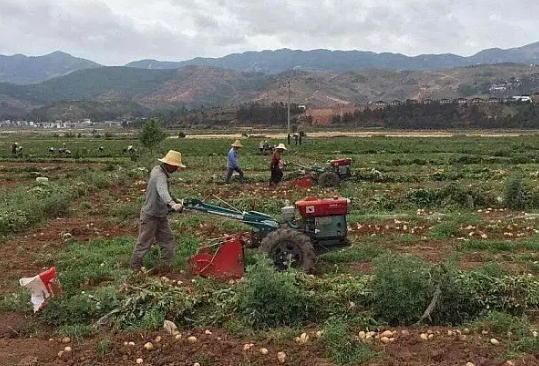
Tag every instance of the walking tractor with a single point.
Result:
(310, 227)
(328, 176)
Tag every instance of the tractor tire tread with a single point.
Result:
(328, 179)
(300, 240)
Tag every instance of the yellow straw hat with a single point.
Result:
(281, 146)
(237, 143)
(173, 158)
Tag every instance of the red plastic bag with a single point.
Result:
(42, 287)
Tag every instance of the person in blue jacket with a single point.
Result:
(232, 164)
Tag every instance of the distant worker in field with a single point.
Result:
(288, 139)
(153, 215)
(277, 165)
(232, 164)
(14, 148)
(296, 137)
(299, 138)
(262, 145)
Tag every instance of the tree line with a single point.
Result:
(444, 116)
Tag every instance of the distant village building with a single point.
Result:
(476, 101)
(324, 115)
(395, 102)
(380, 104)
(522, 98)
(460, 100)
(497, 88)
(494, 100)
(445, 101)
(426, 101)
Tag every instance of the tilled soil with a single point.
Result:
(25, 343)
(18, 254)
(217, 347)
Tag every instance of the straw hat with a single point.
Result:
(281, 146)
(173, 158)
(237, 143)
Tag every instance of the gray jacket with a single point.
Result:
(158, 197)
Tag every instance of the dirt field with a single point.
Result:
(396, 211)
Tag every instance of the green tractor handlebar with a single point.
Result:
(258, 220)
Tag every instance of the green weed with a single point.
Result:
(104, 346)
(16, 302)
(445, 230)
(77, 332)
(268, 298)
(343, 348)
(360, 254)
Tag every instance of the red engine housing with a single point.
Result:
(340, 162)
(315, 207)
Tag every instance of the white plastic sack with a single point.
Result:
(41, 287)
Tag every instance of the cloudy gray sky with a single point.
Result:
(115, 32)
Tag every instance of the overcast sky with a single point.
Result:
(115, 32)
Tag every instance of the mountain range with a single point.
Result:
(195, 86)
(282, 60)
(116, 91)
(20, 69)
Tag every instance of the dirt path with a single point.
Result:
(319, 134)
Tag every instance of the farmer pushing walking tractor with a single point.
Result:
(153, 215)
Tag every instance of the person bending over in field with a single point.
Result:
(153, 215)
(232, 164)
(276, 165)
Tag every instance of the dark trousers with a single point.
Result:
(276, 175)
(230, 171)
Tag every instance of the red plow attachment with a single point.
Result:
(303, 182)
(225, 263)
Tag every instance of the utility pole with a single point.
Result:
(288, 107)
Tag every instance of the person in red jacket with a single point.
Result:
(276, 166)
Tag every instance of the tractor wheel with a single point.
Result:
(256, 239)
(289, 248)
(328, 179)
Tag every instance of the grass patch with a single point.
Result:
(343, 348)
(360, 254)
(445, 230)
(76, 332)
(89, 264)
(104, 346)
(16, 302)
(497, 246)
(268, 298)
(124, 211)
(515, 331)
